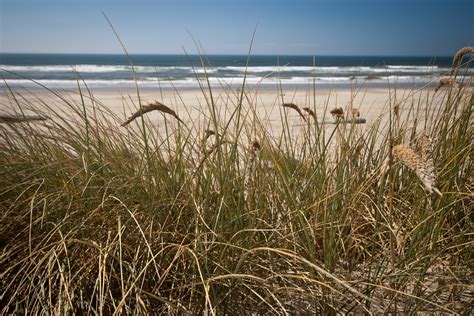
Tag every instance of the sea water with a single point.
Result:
(182, 71)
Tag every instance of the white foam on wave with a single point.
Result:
(215, 81)
(412, 67)
(338, 69)
(66, 68)
(104, 68)
(170, 70)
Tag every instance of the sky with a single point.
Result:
(291, 27)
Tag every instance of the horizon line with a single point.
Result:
(224, 54)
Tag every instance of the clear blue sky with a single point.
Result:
(307, 27)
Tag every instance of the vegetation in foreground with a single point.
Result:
(226, 219)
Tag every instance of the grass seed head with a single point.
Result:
(460, 56)
(337, 112)
(208, 133)
(310, 112)
(294, 107)
(355, 113)
(423, 167)
(447, 81)
(255, 145)
(396, 110)
(157, 106)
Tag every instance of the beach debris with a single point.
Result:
(422, 165)
(310, 112)
(158, 106)
(355, 121)
(337, 113)
(9, 119)
(352, 121)
(447, 81)
(460, 56)
(294, 107)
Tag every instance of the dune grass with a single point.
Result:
(98, 218)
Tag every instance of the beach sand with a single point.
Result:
(264, 105)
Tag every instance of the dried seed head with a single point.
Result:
(152, 107)
(255, 145)
(337, 112)
(447, 81)
(423, 167)
(355, 113)
(426, 146)
(208, 133)
(294, 107)
(310, 112)
(460, 56)
(396, 110)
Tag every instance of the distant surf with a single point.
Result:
(167, 71)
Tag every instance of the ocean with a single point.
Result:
(181, 71)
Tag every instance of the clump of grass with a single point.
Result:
(91, 225)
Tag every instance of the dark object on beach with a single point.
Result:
(351, 121)
(152, 107)
(19, 119)
(356, 121)
(337, 112)
(310, 112)
(294, 107)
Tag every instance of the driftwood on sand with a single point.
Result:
(19, 119)
(350, 121)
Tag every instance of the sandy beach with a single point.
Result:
(192, 105)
